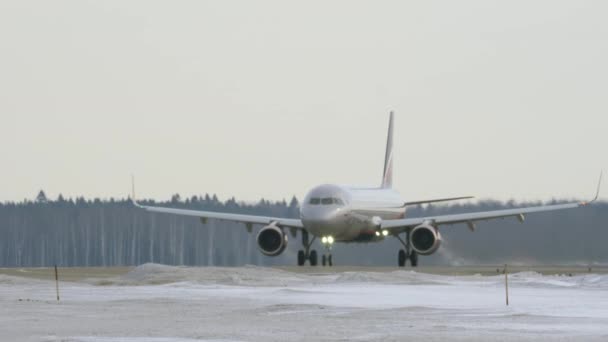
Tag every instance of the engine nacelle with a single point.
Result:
(271, 240)
(425, 239)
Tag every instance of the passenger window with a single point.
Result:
(327, 201)
(338, 201)
(314, 200)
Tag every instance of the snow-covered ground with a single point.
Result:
(162, 303)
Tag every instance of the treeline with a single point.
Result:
(84, 232)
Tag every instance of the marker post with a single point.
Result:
(57, 282)
(506, 285)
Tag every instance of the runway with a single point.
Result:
(165, 303)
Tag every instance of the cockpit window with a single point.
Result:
(327, 200)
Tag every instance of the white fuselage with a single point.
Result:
(349, 213)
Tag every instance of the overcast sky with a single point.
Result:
(266, 99)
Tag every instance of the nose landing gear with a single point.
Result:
(328, 242)
(327, 260)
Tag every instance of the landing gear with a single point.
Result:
(402, 258)
(414, 259)
(326, 260)
(307, 254)
(313, 258)
(408, 253)
(311, 255)
(328, 242)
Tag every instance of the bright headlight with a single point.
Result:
(385, 232)
(377, 233)
(324, 239)
(330, 239)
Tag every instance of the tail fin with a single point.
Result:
(387, 176)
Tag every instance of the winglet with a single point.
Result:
(597, 192)
(133, 198)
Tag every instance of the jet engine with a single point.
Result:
(425, 239)
(271, 240)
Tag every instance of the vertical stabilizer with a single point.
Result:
(387, 176)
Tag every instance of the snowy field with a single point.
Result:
(162, 303)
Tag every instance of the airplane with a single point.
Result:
(336, 213)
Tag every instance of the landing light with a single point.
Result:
(330, 239)
(377, 233)
(385, 232)
(324, 239)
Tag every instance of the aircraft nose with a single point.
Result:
(320, 214)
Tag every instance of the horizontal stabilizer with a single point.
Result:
(387, 175)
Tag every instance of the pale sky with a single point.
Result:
(496, 99)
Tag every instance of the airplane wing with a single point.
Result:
(470, 218)
(204, 215)
(248, 219)
(437, 200)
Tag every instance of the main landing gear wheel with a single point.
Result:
(414, 259)
(329, 261)
(307, 254)
(407, 252)
(313, 258)
(301, 258)
(323, 260)
(402, 258)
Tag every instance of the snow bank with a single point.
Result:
(155, 274)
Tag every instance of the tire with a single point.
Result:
(323, 260)
(414, 259)
(313, 258)
(402, 258)
(301, 258)
(329, 261)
